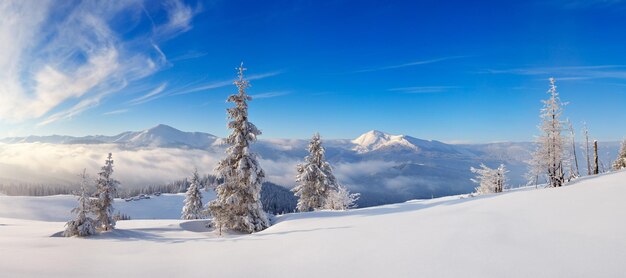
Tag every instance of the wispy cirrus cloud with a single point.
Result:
(115, 112)
(189, 55)
(71, 56)
(179, 19)
(153, 94)
(410, 64)
(582, 4)
(569, 72)
(270, 94)
(220, 84)
(423, 89)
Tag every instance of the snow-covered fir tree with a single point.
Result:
(549, 156)
(315, 179)
(106, 188)
(620, 162)
(193, 199)
(317, 187)
(341, 199)
(238, 203)
(83, 225)
(490, 180)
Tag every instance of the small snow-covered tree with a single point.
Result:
(315, 178)
(238, 204)
(490, 180)
(620, 162)
(83, 225)
(549, 156)
(341, 199)
(106, 188)
(193, 200)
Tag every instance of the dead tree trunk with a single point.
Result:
(587, 151)
(596, 166)
(574, 173)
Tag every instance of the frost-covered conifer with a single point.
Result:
(341, 199)
(238, 204)
(83, 225)
(106, 188)
(549, 156)
(315, 178)
(193, 199)
(620, 162)
(490, 180)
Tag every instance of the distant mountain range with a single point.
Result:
(158, 136)
(385, 168)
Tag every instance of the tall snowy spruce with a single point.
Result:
(317, 186)
(193, 199)
(549, 156)
(83, 225)
(106, 188)
(315, 178)
(490, 180)
(620, 162)
(238, 203)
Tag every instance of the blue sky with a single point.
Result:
(455, 71)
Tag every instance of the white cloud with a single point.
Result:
(270, 94)
(220, 84)
(58, 164)
(179, 18)
(115, 112)
(410, 64)
(569, 72)
(68, 56)
(150, 95)
(423, 89)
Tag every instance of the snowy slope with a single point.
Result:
(574, 231)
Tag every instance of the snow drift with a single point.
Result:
(573, 231)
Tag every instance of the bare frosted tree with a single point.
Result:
(106, 189)
(341, 199)
(83, 225)
(490, 180)
(574, 173)
(549, 156)
(238, 204)
(620, 162)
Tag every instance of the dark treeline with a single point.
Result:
(180, 186)
(276, 199)
(28, 189)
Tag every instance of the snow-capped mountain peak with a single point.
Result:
(375, 140)
(164, 135)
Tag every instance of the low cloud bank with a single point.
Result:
(43, 163)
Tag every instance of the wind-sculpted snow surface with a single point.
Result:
(512, 234)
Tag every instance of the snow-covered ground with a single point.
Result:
(575, 231)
